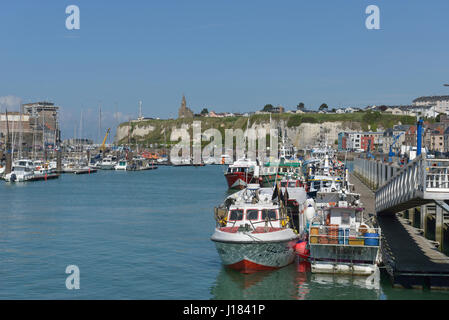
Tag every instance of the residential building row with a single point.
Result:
(435, 138)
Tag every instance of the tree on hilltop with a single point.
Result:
(323, 107)
(268, 108)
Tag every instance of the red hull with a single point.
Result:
(233, 179)
(246, 266)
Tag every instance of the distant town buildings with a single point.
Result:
(440, 103)
(359, 141)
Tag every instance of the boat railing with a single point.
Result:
(254, 224)
(335, 235)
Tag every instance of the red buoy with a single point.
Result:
(301, 250)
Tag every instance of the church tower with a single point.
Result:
(183, 111)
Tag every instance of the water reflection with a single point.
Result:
(294, 282)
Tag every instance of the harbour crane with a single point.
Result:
(368, 150)
(104, 140)
(391, 153)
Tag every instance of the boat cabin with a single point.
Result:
(294, 183)
(316, 183)
(238, 169)
(345, 217)
(252, 215)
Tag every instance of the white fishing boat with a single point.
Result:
(340, 241)
(253, 232)
(181, 162)
(108, 163)
(121, 165)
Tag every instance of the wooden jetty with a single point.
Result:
(44, 177)
(411, 260)
(80, 170)
(141, 168)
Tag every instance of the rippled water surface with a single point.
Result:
(142, 235)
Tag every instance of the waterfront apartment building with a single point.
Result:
(436, 139)
(20, 130)
(441, 103)
(394, 137)
(35, 125)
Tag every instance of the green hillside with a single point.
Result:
(366, 120)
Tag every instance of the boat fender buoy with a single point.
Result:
(301, 249)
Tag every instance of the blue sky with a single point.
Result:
(223, 55)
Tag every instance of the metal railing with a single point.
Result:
(426, 179)
(422, 179)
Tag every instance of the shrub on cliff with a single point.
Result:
(294, 121)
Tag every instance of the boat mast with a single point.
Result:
(99, 123)
(34, 136)
(20, 135)
(81, 133)
(8, 147)
(43, 134)
(13, 136)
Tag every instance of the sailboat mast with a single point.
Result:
(8, 147)
(99, 123)
(20, 135)
(43, 134)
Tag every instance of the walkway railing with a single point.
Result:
(420, 181)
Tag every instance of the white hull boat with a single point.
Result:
(253, 232)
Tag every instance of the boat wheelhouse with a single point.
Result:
(121, 165)
(108, 163)
(317, 182)
(275, 171)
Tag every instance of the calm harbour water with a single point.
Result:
(142, 235)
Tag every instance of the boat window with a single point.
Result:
(269, 213)
(283, 183)
(236, 215)
(292, 184)
(252, 214)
